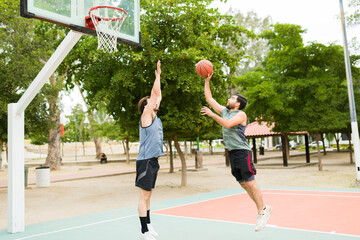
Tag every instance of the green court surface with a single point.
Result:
(299, 213)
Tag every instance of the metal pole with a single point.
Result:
(354, 125)
(16, 199)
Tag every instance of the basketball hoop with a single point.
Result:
(107, 21)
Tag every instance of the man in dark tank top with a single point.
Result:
(151, 148)
(233, 121)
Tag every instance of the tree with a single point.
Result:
(301, 88)
(255, 49)
(179, 33)
(77, 130)
(19, 53)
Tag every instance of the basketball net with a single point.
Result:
(107, 21)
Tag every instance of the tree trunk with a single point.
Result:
(1, 148)
(7, 153)
(53, 159)
(127, 150)
(183, 162)
(350, 148)
(323, 141)
(318, 150)
(285, 149)
(83, 148)
(337, 143)
(97, 142)
(210, 147)
(167, 152)
(190, 149)
(124, 147)
(185, 149)
(227, 159)
(171, 156)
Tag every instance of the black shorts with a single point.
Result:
(146, 173)
(242, 167)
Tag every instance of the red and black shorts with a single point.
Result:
(242, 167)
(146, 173)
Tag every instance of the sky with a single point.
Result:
(319, 17)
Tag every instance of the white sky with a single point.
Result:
(319, 17)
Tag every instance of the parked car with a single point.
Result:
(292, 145)
(278, 146)
(313, 144)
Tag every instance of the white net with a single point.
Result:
(107, 21)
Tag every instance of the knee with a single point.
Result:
(145, 196)
(248, 185)
(244, 185)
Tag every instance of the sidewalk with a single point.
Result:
(82, 169)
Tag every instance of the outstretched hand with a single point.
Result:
(158, 69)
(209, 76)
(206, 111)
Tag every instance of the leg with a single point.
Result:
(144, 202)
(255, 194)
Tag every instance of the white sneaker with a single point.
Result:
(263, 218)
(147, 236)
(152, 230)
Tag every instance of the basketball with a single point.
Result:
(203, 68)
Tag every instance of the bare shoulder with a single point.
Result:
(242, 117)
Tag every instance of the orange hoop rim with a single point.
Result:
(108, 19)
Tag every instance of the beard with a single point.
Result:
(230, 106)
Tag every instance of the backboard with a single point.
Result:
(72, 13)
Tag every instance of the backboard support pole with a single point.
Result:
(16, 192)
(354, 124)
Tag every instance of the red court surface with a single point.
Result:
(330, 212)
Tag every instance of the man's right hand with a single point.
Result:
(158, 70)
(209, 76)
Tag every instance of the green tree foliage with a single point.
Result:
(77, 128)
(301, 87)
(179, 33)
(19, 54)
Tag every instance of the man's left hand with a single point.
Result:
(206, 111)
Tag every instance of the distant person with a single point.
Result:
(233, 121)
(103, 158)
(151, 148)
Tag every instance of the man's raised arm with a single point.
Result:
(209, 99)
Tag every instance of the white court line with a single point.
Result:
(110, 220)
(299, 194)
(309, 194)
(268, 225)
(72, 228)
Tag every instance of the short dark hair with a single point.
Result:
(142, 103)
(242, 100)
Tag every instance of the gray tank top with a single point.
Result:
(234, 138)
(151, 140)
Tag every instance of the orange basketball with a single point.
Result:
(203, 68)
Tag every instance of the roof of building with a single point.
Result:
(264, 129)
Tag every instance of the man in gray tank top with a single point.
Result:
(233, 121)
(147, 166)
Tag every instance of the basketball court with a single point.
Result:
(228, 214)
(299, 213)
